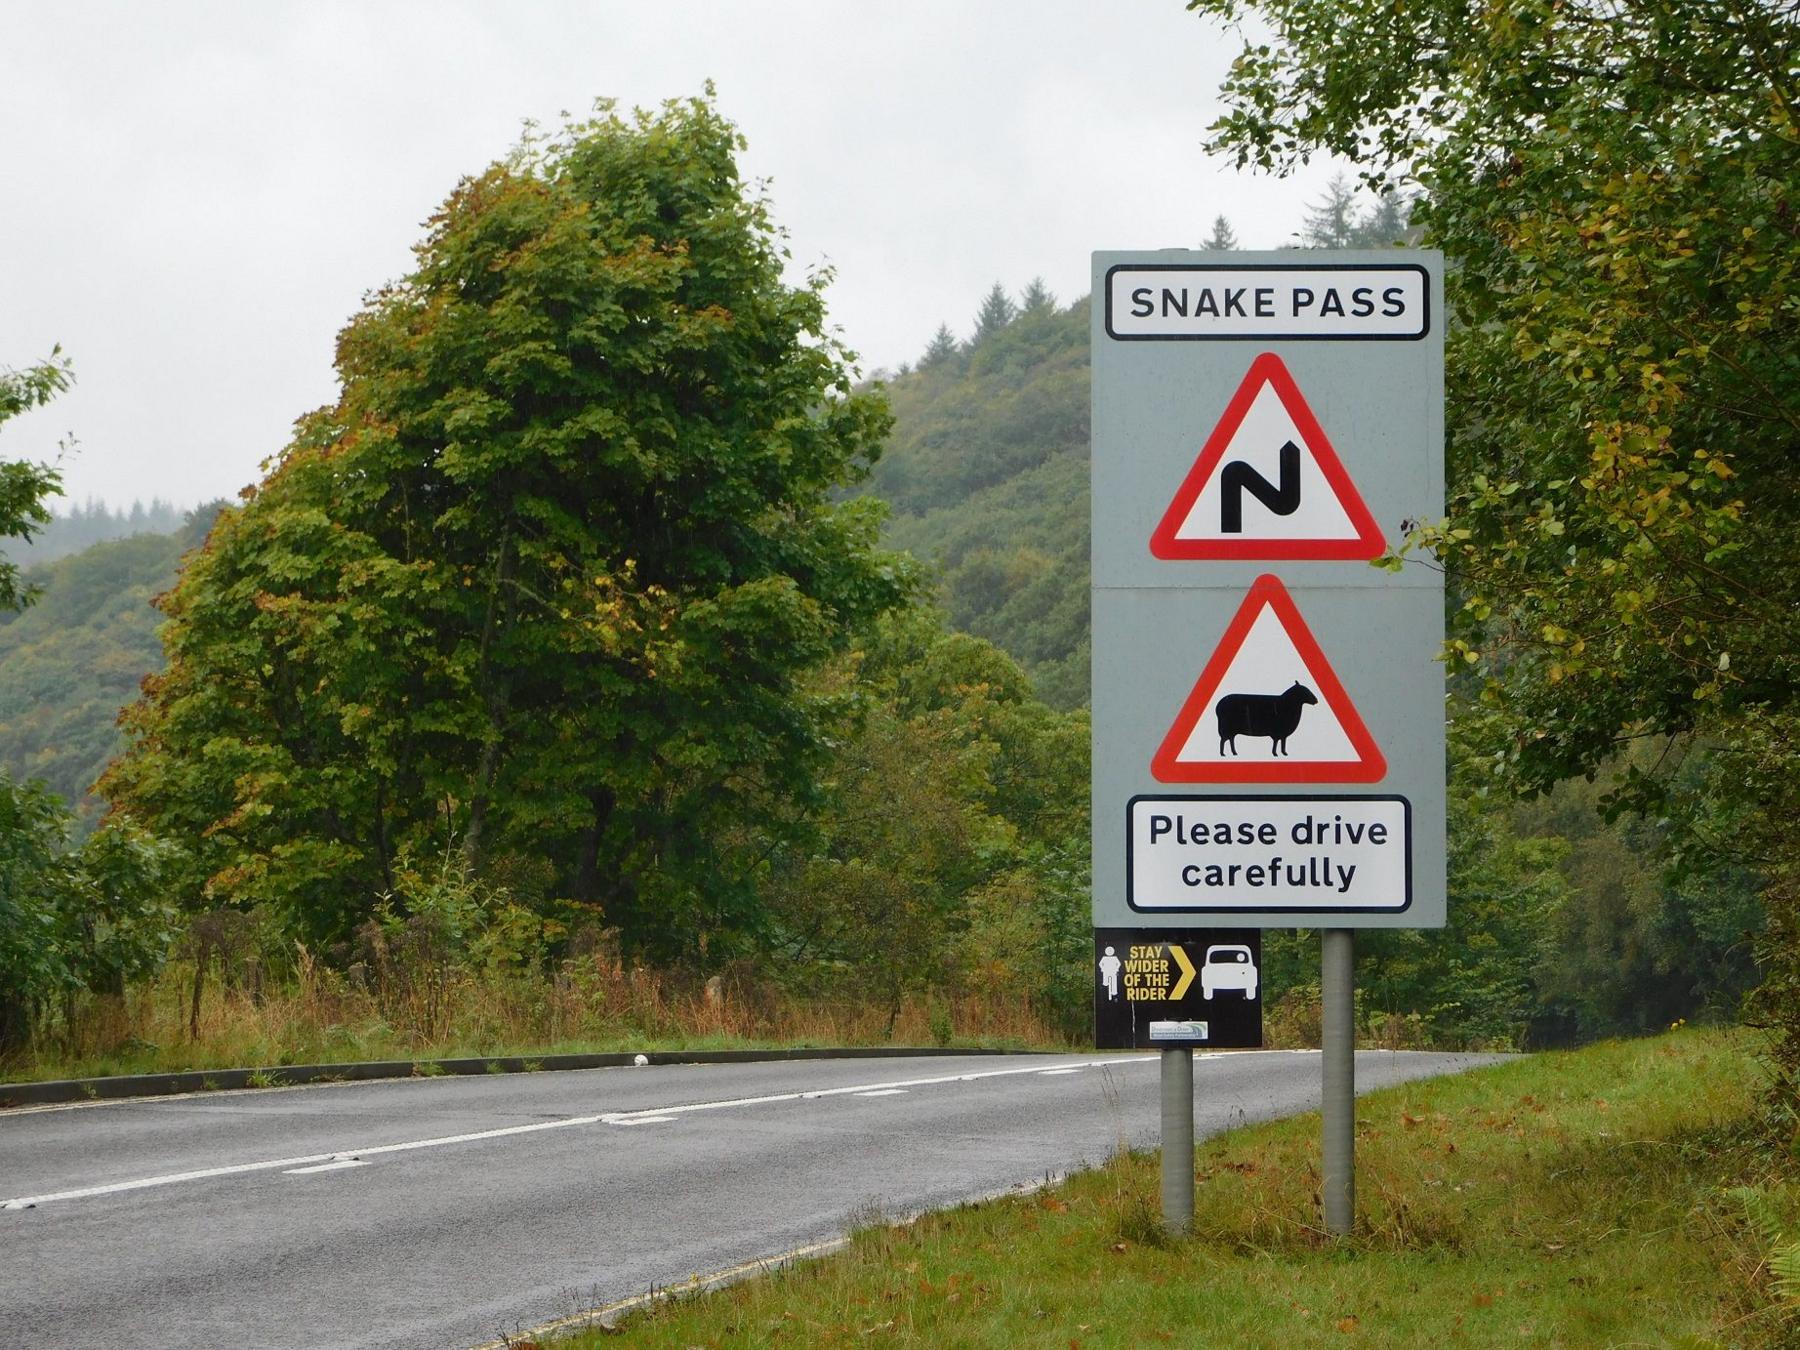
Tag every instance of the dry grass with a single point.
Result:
(320, 1015)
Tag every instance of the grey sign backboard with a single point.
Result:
(1268, 706)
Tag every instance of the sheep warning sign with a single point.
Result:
(1268, 708)
(1267, 484)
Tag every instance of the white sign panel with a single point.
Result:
(1295, 855)
(1337, 302)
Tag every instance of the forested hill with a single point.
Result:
(987, 474)
(69, 662)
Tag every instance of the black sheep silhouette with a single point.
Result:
(1271, 715)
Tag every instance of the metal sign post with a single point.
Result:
(1268, 735)
(1178, 1139)
(1337, 987)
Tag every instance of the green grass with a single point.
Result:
(1574, 1199)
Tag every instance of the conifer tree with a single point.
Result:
(996, 312)
(942, 348)
(1223, 237)
(1037, 298)
(1331, 220)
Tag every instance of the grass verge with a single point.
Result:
(324, 1017)
(1572, 1199)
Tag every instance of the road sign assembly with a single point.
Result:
(1268, 706)
(1249, 468)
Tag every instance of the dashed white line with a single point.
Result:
(649, 1115)
(338, 1166)
(884, 1092)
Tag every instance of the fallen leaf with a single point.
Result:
(1484, 1300)
(1348, 1324)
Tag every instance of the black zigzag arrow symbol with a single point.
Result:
(1237, 478)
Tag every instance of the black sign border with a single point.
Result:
(1131, 901)
(1420, 336)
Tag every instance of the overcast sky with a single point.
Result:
(196, 197)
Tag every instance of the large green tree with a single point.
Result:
(546, 583)
(26, 486)
(1614, 183)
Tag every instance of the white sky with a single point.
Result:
(196, 196)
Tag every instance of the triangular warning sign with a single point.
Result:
(1268, 708)
(1267, 484)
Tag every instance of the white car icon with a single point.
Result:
(1228, 968)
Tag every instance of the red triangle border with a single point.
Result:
(1268, 592)
(1270, 369)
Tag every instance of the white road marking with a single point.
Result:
(884, 1092)
(644, 1116)
(813, 1094)
(336, 1166)
(1051, 1073)
(288, 1164)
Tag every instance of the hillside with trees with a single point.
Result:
(986, 473)
(81, 525)
(72, 659)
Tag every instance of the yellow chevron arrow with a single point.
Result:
(1187, 973)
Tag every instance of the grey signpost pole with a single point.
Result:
(1178, 1139)
(1338, 1053)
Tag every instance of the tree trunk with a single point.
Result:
(15, 1023)
(498, 699)
(200, 959)
(587, 870)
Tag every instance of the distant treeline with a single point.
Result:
(84, 524)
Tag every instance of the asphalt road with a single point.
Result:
(447, 1212)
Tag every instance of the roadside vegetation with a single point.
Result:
(927, 885)
(609, 620)
(1622, 1194)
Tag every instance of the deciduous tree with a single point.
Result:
(549, 577)
(1615, 183)
(25, 486)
